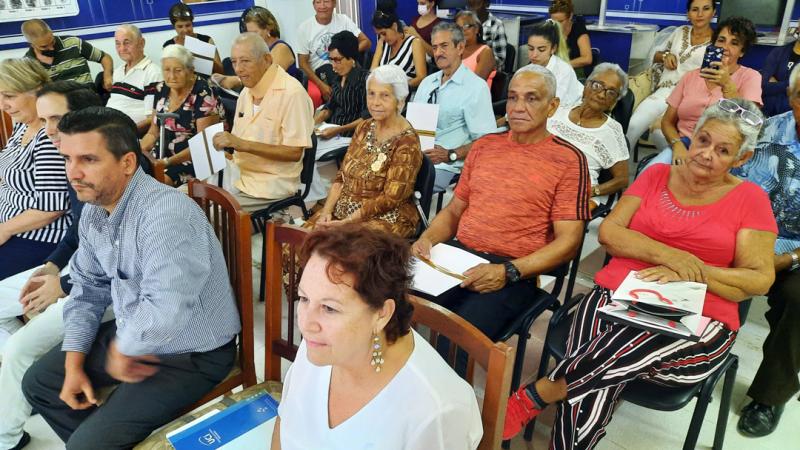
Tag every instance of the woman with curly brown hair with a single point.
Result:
(362, 378)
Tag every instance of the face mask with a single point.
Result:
(48, 53)
(422, 10)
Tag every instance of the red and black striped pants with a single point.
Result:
(603, 356)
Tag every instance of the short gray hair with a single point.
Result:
(611, 67)
(549, 78)
(456, 33)
(749, 133)
(396, 78)
(133, 30)
(180, 53)
(257, 45)
(793, 77)
(467, 13)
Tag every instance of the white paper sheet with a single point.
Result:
(424, 117)
(203, 54)
(683, 295)
(206, 159)
(434, 282)
(326, 145)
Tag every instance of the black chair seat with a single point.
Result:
(336, 154)
(657, 396)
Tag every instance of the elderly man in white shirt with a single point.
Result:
(132, 78)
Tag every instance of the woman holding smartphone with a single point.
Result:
(723, 77)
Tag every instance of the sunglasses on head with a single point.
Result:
(747, 116)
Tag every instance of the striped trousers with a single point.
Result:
(602, 356)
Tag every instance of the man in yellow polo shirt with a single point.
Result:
(273, 124)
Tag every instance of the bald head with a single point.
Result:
(35, 28)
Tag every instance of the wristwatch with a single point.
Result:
(452, 155)
(673, 141)
(795, 261)
(512, 273)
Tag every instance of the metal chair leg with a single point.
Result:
(725, 405)
(697, 423)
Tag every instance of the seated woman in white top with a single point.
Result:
(589, 127)
(683, 52)
(362, 379)
(546, 46)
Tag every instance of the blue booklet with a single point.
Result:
(227, 425)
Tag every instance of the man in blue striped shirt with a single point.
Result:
(149, 252)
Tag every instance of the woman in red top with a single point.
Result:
(692, 222)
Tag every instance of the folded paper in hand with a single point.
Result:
(443, 270)
(674, 308)
(206, 159)
(424, 117)
(203, 52)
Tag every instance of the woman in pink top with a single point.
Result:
(703, 87)
(690, 222)
(477, 56)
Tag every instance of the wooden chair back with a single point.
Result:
(283, 243)
(232, 226)
(6, 126)
(496, 358)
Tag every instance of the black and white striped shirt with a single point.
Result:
(349, 102)
(156, 260)
(404, 58)
(33, 176)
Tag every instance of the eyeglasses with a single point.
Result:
(433, 97)
(337, 60)
(598, 86)
(749, 117)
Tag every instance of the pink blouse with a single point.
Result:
(691, 96)
(472, 63)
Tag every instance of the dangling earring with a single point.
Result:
(377, 353)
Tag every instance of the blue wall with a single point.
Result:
(97, 18)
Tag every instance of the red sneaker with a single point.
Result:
(519, 412)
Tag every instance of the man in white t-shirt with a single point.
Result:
(313, 38)
(132, 77)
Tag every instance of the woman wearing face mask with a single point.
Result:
(684, 52)
(545, 47)
(423, 24)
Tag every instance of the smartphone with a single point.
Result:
(713, 54)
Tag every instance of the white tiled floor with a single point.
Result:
(632, 427)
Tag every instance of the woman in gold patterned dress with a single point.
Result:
(375, 185)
